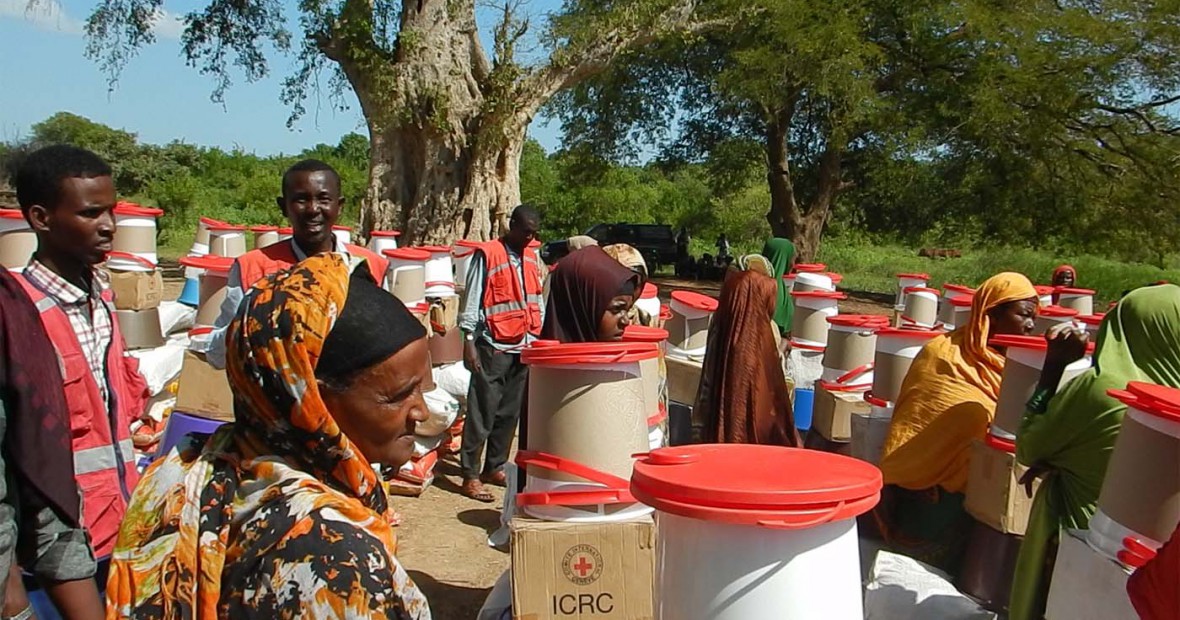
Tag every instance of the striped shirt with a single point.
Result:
(89, 315)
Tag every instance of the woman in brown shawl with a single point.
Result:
(743, 394)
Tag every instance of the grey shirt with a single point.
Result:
(473, 319)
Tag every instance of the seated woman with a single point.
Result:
(743, 396)
(1069, 436)
(280, 514)
(947, 400)
(590, 298)
(630, 258)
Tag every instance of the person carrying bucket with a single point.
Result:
(311, 201)
(68, 197)
(502, 315)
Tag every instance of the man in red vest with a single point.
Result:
(311, 202)
(68, 197)
(502, 315)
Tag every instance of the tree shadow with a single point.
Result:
(449, 601)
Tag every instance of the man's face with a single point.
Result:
(521, 232)
(311, 201)
(81, 226)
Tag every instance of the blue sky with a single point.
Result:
(158, 97)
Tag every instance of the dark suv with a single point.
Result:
(656, 242)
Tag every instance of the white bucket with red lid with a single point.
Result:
(264, 236)
(688, 329)
(649, 300)
(655, 380)
(381, 240)
(135, 231)
(17, 240)
(813, 281)
(1080, 299)
(869, 432)
(809, 324)
(1048, 316)
(738, 540)
(126, 261)
(343, 235)
(461, 253)
(285, 233)
(1140, 498)
(896, 350)
(1025, 358)
(852, 341)
(954, 312)
(214, 279)
(810, 268)
(908, 280)
(570, 386)
(921, 308)
(1045, 294)
(1092, 322)
(227, 240)
(201, 239)
(406, 277)
(440, 271)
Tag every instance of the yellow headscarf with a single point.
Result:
(949, 397)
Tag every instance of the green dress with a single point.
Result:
(781, 254)
(1075, 435)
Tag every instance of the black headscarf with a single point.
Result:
(373, 326)
(580, 291)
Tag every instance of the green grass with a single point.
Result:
(873, 268)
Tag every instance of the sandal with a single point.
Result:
(499, 479)
(473, 489)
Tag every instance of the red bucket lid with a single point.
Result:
(961, 302)
(642, 333)
(898, 332)
(818, 295)
(468, 243)
(810, 268)
(1092, 319)
(695, 300)
(650, 291)
(1158, 400)
(341, 227)
(1030, 343)
(134, 210)
(590, 353)
(835, 277)
(913, 276)
(921, 289)
(12, 214)
(958, 288)
(208, 221)
(264, 229)
(1067, 290)
(1058, 312)
(1043, 290)
(434, 249)
(286, 230)
(385, 233)
(223, 227)
(869, 321)
(665, 312)
(208, 262)
(408, 254)
(743, 484)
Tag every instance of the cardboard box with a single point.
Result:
(582, 570)
(445, 312)
(995, 496)
(1086, 585)
(832, 412)
(684, 377)
(203, 389)
(868, 436)
(134, 290)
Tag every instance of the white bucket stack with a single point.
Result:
(1048, 316)
(655, 379)
(852, 344)
(649, 300)
(135, 231)
(201, 240)
(1080, 299)
(908, 280)
(227, 240)
(406, 278)
(896, 350)
(264, 236)
(214, 279)
(808, 282)
(17, 240)
(381, 240)
(921, 308)
(577, 468)
(1140, 498)
(135, 280)
(688, 329)
(955, 305)
(343, 235)
(440, 271)
(809, 325)
(738, 540)
(1022, 372)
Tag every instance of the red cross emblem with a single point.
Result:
(582, 565)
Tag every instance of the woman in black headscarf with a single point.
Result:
(590, 296)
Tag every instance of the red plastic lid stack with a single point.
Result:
(810, 268)
(641, 333)
(859, 322)
(695, 300)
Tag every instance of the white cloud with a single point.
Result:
(49, 15)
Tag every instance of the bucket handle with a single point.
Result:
(785, 524)
(807, 347)
(553, 462)
(132, 257)
(575, 498)
(855, 372)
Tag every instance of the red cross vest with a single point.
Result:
(508, 316)
(104, 460)
(257, 264)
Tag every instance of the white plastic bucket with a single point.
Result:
(852, 341)
(1053, 315)
(213, 282)
(1092, 323)
(381, 240)
(809, 325)
(921, 308)
(264, 236)
(17, 240)
(227, 240)
(201, 240)
(1045, 295)
(1140, 496)
(649, 300)
(461, 254)
(896, 350)
(440, 272)
(124, 261)
(908, 280)
(688, 329)
(1022, 372)
(406, 277)
(805, 281)
(655, 378)
(343, 235)
(870, 432)
(736, 540)
(1080, 299)
(954, 311)
(570, 385)
(135, 231)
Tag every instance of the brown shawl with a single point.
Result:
(743, 394)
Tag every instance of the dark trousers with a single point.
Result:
(493, 408)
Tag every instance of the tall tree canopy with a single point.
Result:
(1030, 110)
(446, 119)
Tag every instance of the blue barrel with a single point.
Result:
(804, 402)
(181, 424)
(190, 295)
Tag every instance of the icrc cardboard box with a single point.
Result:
(995, 496)
(137, 290)
(833, 411)
(204, 390)
(580, 571)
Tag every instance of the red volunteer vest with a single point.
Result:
(257, 264)
(104, 460)
(508, 316)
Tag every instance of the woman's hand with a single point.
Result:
(1030, 477)
(1067, 344)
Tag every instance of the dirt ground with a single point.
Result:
(443, 536)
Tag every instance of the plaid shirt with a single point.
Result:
(89, 316)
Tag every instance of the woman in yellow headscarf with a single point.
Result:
(947, 400)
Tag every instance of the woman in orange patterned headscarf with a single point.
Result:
(280, 515)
